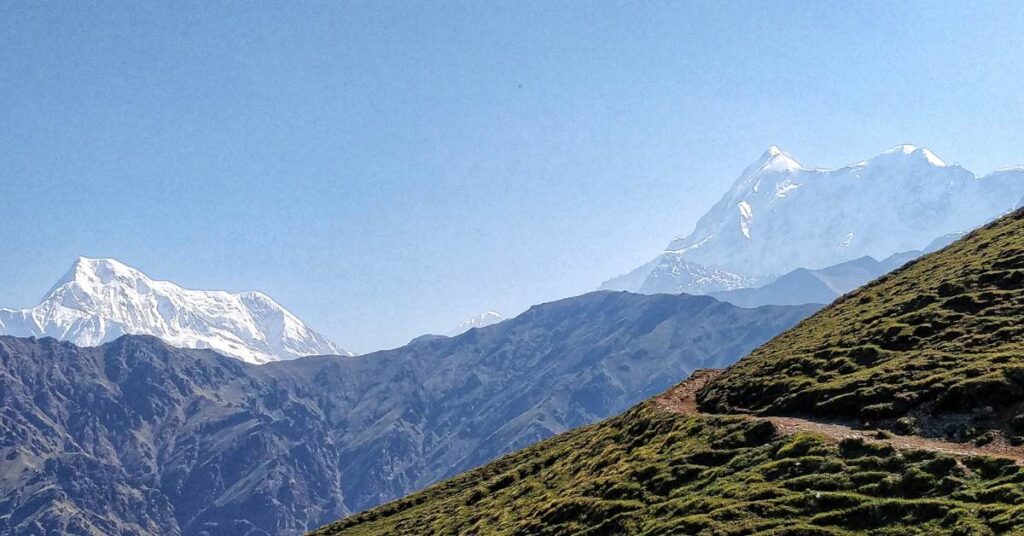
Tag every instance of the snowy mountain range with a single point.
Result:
(780, 216)
(99, 300)
(481, 320)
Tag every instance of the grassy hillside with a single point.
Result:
(936, 347)
(652, 472)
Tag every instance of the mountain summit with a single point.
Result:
(779, 216)
(481, 320)
(99, 300)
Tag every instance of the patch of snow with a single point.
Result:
(481, 320)
(775, 160)
(905, 149)
(847, 240)
(746, 214)
(785, 187)
(694, 246)
(673, 275)
(932, 159)
(913, 150)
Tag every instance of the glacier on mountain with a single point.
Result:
(99, 300)
(780, 216)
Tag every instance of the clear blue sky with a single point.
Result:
(386, 169)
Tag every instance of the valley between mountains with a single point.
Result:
(899, 409)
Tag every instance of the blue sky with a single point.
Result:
(387, 169)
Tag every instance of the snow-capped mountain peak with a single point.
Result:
(91, 274)
(102, 270)
(483, 319)
(774, 160)
(779, 216)
(99, 300)
(907, 153)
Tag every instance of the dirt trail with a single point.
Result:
(682, 399)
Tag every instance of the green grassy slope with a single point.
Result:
(936, 342)
(651, 472)
(937, 345)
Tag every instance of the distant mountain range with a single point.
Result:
(136, 437)
(481, 320)
(99, 300)
(780, 216)
(826, 284)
